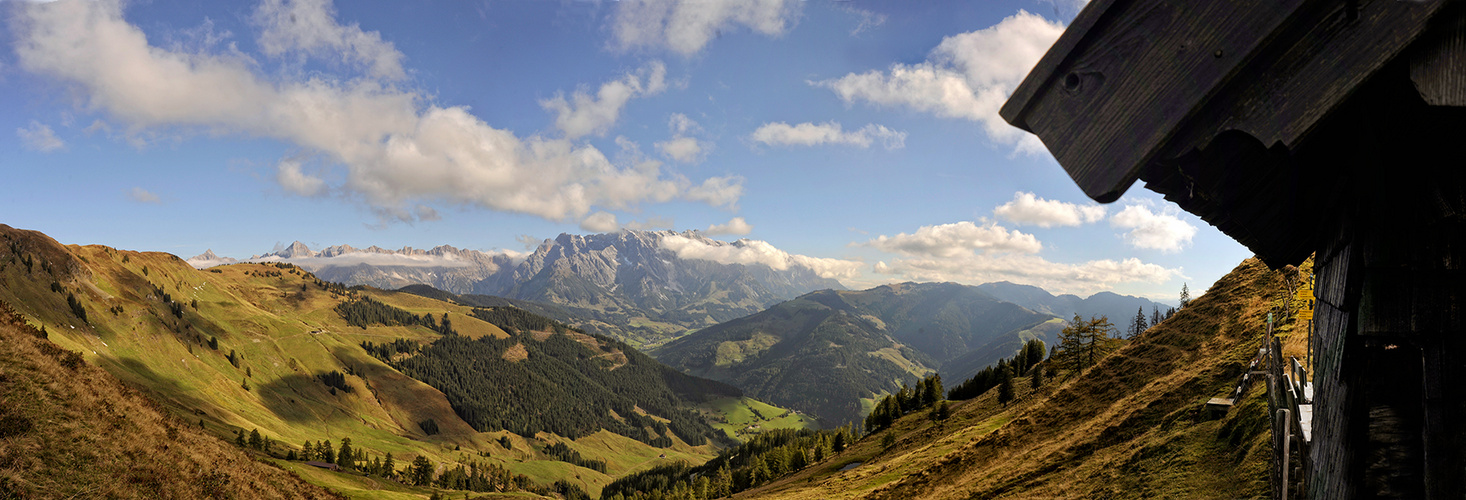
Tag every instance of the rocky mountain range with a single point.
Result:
(632, 280)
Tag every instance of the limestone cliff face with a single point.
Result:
(633, 268)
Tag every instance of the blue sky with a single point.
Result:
(860, 139)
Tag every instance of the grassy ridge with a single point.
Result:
(1130, 427)
(71, 430)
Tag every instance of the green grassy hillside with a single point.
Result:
(153, 322)
(72, 430)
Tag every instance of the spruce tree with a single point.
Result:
(933, 391)
(327, 454)
(307, 451)
(1005, 386)
(255, 440)
(389, 467)
(1185, 295)
(345, 457)
(421, 472)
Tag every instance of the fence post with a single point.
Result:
(1287, 434)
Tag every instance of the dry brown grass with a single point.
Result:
(71, 430)
(1130, 427)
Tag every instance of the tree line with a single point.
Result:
(763, 458)
(421, 471)
(1000, 375)
(928, 393)
(514, 320)
(364, 311)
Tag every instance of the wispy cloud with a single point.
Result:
(309, 28)
(811, 134)
(686, 26)
(583, 114)
(39, 137)
(141, 195)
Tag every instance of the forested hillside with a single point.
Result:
(549, 378)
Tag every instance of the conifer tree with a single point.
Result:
(1005, 386)
(239, 439)
(389, 467)
(933, 391)
(1185, 295)
(346, 457)
(888, 440)
(255, 440)
(1138, 325)
(307, 451)
(326, 454)
(421, 471)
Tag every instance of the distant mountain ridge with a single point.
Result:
(826, 351)
(1119, 308)
(628, 279)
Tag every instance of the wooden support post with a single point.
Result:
(1284, 419)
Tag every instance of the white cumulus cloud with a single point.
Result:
(392, 148)
(1156, 231)
(968, 76)
(39, 137)
(583, 114)
(686, 26)
(682, 149)
(736, 226)
(755, 252)
(1026, 208)
(956, 239)
(718, 191)
(811, 134)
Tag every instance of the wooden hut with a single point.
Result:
(1297, 127)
